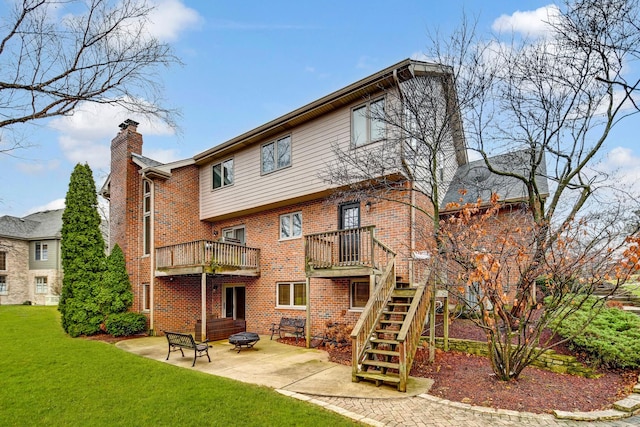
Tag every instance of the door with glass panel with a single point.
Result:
(234, 305)
(349, 221)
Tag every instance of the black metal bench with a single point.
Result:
(178, 341)
(293, 326)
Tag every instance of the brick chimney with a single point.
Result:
(125, 189)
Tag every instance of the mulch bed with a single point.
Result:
(469, 379)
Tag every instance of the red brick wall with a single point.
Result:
(177, 302)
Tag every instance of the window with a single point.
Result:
(359, 294)
(367, 123)
(223, 174)
(41, 285)
(42, 251)
(3, 260)
(292, 295)
(291, 225)
(3, 285)
(146, 297)
(146, 218)
(234, 235)
(276, 155)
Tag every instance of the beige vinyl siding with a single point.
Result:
(310, 152)
(52, 256)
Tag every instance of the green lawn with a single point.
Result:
(51, 379)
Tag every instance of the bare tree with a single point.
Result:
(56, 55)
(554, 100)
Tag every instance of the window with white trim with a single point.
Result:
(146, 217)
(367, 123)
(146, 297)
(42, 251)
(358, 294)
(223, 174)
(291, 295)
(3, 260)
(276, 154)
(41, 285)
(291, 225)
(3, 285)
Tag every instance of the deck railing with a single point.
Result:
(409, 336)
(208, 253)
(356, 247)
(371, 315)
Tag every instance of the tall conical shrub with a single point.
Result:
(83, 256)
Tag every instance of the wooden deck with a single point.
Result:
(206, 256)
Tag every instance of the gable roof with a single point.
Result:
(39, 225)
(402, 71)
(479, 183)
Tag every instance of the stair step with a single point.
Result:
(399, 304)
(403, 293)
(381, 364)
(391, 322)
(384, 341)
(379, 377)
(394, 312)
(382, 352)
(387, 331)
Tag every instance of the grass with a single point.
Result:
(51, 379)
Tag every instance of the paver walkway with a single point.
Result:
(430, 411)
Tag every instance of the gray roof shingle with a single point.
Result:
(39, 225)
(480, 183)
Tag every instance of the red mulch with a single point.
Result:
(469, 379)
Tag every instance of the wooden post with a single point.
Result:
(445, 319)
(432, 326)
(307, 330)
(203, 297)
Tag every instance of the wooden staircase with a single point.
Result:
(387, 334)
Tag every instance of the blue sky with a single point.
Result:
(247, 63)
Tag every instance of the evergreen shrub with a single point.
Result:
(125, 324)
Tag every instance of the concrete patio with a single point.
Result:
(272, 364)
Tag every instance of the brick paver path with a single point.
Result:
(430, 411)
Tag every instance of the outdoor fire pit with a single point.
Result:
(247, 339)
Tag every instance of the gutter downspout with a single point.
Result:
(412, 209)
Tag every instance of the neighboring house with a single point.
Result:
(30, 265)
(247, 229)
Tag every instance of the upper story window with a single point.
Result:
(276, 155)
(42, 251)
(291, 225)
(367, 123)
(223, 174)
(3, 260)
(146, 217)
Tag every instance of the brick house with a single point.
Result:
(30, 263)
(247, 229)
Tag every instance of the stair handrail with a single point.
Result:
(410, 332)
(361, 333)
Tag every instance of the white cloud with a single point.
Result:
(86, 135)
(530, 23)
(163, 155)
(171, 17)
(622, 166)
(51, 206)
